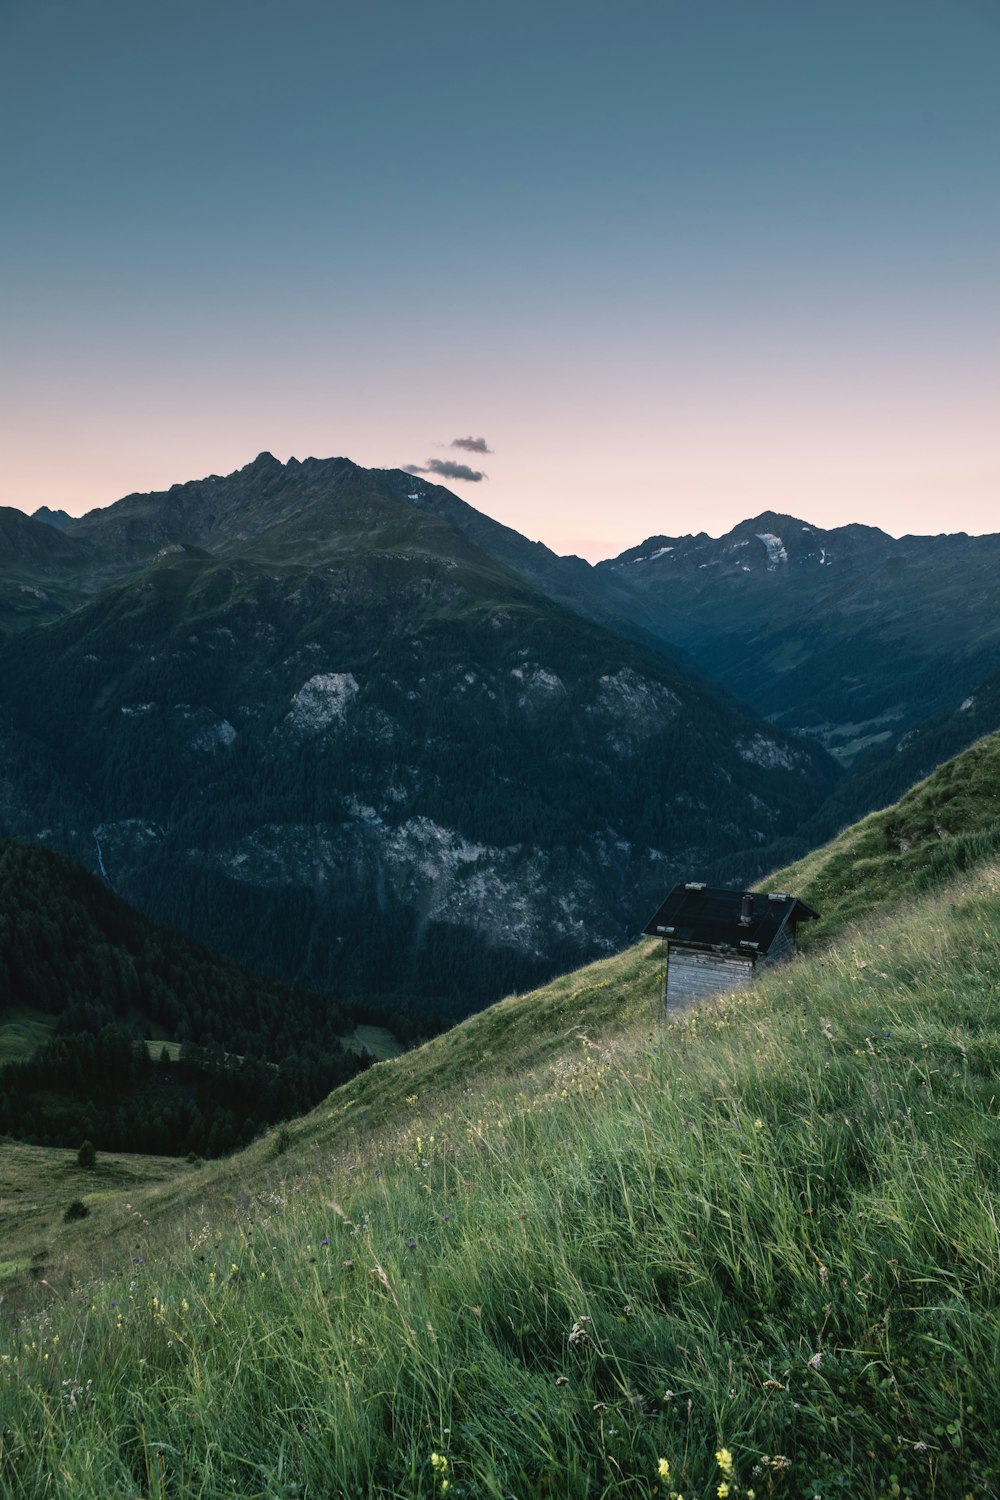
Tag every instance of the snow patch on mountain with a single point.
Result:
(649, 556)
(775, 548)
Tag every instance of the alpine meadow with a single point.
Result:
(570, 1247)
(500, 750)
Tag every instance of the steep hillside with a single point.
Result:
(947, 823)
(84, 978)
(568, 1250)
(594, 592)
(351, 749)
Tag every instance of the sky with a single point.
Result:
(672, 262)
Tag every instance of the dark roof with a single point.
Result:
(711, 918)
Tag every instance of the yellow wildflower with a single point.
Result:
(663, 1469)
(725, 1461)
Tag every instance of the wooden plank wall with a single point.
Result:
(692, 975)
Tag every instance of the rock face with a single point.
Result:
(352, 750)
(322, 702)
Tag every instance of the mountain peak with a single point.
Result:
(769, 519)
(261, 463)
(56, 518)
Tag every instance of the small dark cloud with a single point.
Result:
(472, 445)
(447, 470)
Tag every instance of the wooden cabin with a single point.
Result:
(717, 940)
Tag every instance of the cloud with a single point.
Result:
(471, 445)
(447, 470)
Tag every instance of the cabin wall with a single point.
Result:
(783, 947)
(694, 975)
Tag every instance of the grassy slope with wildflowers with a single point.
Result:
(565, 1250)
(945, 824)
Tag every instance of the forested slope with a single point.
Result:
(96, 978)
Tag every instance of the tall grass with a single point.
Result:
(766, 1231)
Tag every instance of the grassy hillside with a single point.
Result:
(564, 1244)
(38, 1184)
(947, 823)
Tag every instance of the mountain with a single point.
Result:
(572, 581)
(83, 978)
(909, 626)
(321, 728)
(849, 635)
(877, 647)
(567, 1248)
(42, 572)
(880, 776)
(57, 518)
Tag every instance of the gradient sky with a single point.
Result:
(678, 261)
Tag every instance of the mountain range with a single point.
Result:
(848, 635)
(297, 714)
(359, 735)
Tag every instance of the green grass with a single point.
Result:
(37, 1185)
(563, 1242)
(569, 1240)
(376, 1041)
(22, 1030)
(946, 824)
